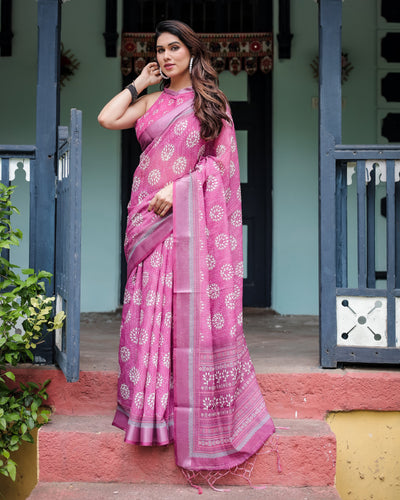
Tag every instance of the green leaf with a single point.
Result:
(11, 417)
(27, 271)
(14, 440)
(44, 274)
(17, 338)
(10, 375)
(11, 469)
(28, 438)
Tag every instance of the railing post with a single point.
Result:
(330, 126)
(42, 223)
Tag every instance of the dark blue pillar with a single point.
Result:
(330, 126)
(42, 225)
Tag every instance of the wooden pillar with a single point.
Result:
(330, 129)
(42, 224)
(6, 34)
(284, 36)
(111, 34)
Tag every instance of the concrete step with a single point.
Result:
(122, 491)
(89, 449)
(287, 395)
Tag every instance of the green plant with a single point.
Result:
(25, 314)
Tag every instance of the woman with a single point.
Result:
(186, 375)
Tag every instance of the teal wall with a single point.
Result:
(295, 169)
(95, 82)
(295, 140)
(17, 109)
(295, 144)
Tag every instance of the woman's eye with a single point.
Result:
(175, 47)
(159, 51)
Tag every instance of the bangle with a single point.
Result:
(132, 89)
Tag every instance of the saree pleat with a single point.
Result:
(186, 374)
(145, 409)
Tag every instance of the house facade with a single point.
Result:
(310, 173)
(288, 142)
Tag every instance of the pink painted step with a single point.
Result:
(89, 449)
(288, 395)
(123, 491)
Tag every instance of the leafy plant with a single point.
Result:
(25, 315)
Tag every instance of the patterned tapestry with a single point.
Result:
(229, 51)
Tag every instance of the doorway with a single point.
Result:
(250, 99)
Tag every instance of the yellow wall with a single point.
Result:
(368, 454)
(26, 459)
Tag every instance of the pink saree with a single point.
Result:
(186, 375)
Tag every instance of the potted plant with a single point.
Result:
(26, 314)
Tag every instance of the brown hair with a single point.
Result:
(210, 104)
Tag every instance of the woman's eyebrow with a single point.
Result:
(172, 43)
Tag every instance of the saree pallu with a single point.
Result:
(184, 297)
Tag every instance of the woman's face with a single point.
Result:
(172, 55)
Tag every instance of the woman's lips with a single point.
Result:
(168, 66)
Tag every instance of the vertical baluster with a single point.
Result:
(5, 179)
(371, 190)
(397, 232)
(361, 225)
(390, 252)
(341, 225)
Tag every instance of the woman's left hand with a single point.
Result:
(162, 201)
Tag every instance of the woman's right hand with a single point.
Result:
(150, 75)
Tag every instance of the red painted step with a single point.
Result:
(288, 395)
(89, 449)
(123, 491)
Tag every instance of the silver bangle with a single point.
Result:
(132, 89)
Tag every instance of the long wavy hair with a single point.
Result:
(210, 104)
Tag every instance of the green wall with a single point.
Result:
(295, 139)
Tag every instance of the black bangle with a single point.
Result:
(132, 89)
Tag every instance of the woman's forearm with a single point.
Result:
(120, 112)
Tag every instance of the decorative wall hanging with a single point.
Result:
(68, 65)
(347, 67)
(232, 51)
